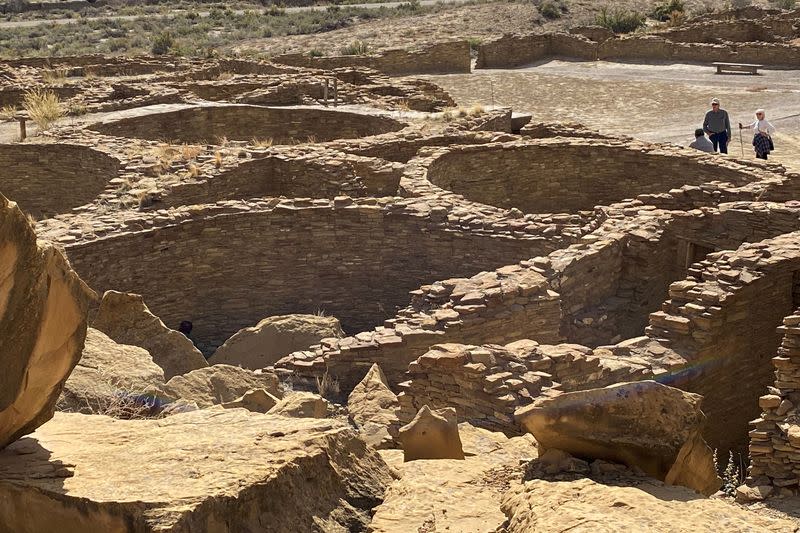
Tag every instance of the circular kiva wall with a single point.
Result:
(230, 270)
(568, 176)
(284, 125)
(48, 179)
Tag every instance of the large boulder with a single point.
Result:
(216, 470)
(302, 405)
(126, 319)
(275, 337)
(43, 308)
(218, 384)
(373, 408)
(642, 424)
(431, 435)
(110, 378)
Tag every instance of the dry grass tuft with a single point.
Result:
(8, 112)
(217, 159)
(43, 107)
(262, 143)
(189, 151)
(194, 171)
(327, 386)
(55, 76)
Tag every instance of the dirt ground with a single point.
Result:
(662, 103)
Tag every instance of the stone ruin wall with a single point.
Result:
(47, 179)
(227, 271)
(775, 437)
(722, 320)
(441, 58)
(589, 173)
(486, 384)
(317, 174)
(244, 122)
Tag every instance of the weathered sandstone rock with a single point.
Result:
(642, 424)
(302, 405)
(126, 319)
(219, 384)
(109, 376)
(209, 470)
(584, 506)
(256, 400)
(275, 337)
(432, 435)
(373, 408)
(455, 495)
(43, 307)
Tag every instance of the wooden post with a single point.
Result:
(325, 92)
(335, 92)
(23, 133)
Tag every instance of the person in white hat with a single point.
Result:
(762, 134)
(718, 126)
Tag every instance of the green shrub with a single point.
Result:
(550, 9)
(315, 53)
(664, 11)
(620, 21)
(162, 43)
(474, 42)
(356, 48)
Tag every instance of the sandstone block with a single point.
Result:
(256, 400)
(432, 435)
(302, 405)
(218, 384)
(373, 407)
(110, 378)
(126, 319)
(275, 337)
(43, 308)
(642, 424)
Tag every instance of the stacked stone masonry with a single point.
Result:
(775, 435)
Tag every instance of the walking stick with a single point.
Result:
(741, 142)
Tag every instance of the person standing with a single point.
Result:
(762, 134)
(700, 142)
(718, 126)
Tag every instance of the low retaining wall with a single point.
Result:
(48, 179)
(512, 51)
(443, 58)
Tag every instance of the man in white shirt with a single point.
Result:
(701, 142)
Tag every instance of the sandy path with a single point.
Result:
(663, 103)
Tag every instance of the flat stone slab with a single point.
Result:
(209, 470)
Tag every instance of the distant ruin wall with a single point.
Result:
(512, 51)
(48, 179)
(443, 58)
(245, 122)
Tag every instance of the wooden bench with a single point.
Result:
(745, 68)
